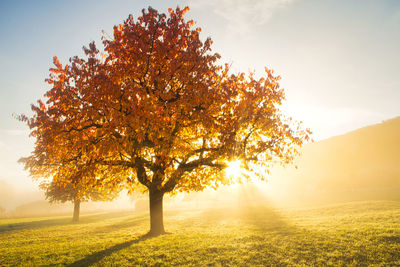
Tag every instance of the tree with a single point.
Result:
(155, 109)
(59, 191)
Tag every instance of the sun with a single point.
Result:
(234, 168)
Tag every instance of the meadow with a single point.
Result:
(351, 234)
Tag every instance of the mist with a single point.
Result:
(361, 165)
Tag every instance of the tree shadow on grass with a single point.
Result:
(98, 256)
(127, 223)
(34, 224)
(85, 219)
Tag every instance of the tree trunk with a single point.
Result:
(156, 212)
(77, 207)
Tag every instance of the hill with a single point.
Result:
(362, 164)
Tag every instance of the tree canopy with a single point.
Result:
(76, 192)
(156, 108)
(59, 191)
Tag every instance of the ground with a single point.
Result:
(358, 233)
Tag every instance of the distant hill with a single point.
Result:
(362, 164)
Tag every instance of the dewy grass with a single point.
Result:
(361, 233)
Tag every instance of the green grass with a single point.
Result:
(358, 234)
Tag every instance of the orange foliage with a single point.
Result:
(155, 108)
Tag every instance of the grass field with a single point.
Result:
(359, 234)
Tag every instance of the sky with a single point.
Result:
(339, 59)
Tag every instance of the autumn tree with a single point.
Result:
(155, 108)
(60, 191)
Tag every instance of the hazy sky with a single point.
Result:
(339, 60)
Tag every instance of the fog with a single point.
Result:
(360, 165)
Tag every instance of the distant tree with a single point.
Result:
(155, 109)
(59, 191)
